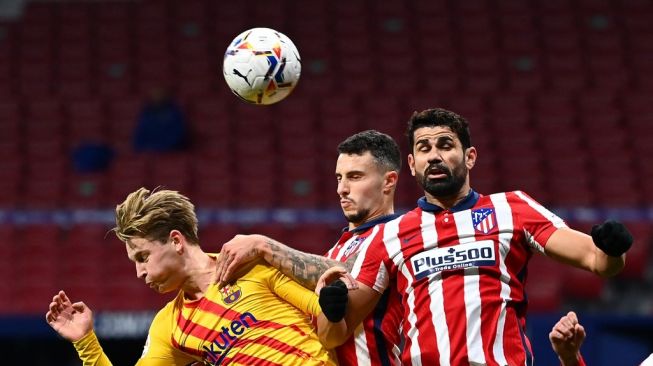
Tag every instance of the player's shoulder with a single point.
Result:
(414, 213)
(256, 271)
(163, 317)
(512, 196)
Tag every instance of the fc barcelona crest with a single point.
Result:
(230, 294)
(484, 220)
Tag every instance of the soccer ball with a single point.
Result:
(261, 66)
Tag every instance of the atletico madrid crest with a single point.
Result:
(484, 220)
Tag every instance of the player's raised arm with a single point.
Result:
(74, 322)
(602, 253)
(304, 268)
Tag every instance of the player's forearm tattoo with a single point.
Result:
(302, 267)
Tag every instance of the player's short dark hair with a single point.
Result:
(382, 147)
(439, 117)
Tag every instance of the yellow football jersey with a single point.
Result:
(263, 318)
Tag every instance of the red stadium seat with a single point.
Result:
(582, 285)
(87, 191)
(314, 238)
(639, 255)
(301, 185)
(212, 236)
(616, 186)
(519, 81)
(74, 70)
(429, 8)
(176, 177)
(114, 11)
(87, 120)
(75, 12)
(10, 118)
(211, 192)
(127, 174)
(81, 269)
(10, 182)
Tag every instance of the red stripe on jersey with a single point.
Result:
(281, 346)
(242, 342)
(208, 334)
(490, 290)
(273, 343)
(219, 310)
(372, 348)
(249, 360)
(346, 352)
(512, 343)
(188, 327)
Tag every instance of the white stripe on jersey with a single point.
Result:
(472, 293)
(413, 332)
(362, 351)
(503, 214)
(555, 220)
(439, 318)
(382, 278)
(341, 252)
(435, 292)
(330, 252)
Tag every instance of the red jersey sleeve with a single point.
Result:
(536, 220)
(373, 265)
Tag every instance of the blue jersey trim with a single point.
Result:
(370, 224)
(468, 202)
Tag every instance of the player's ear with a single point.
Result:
(411, 164)
(390, 181)
(470, 157)
(177, 240)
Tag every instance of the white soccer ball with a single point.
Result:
(261, 66)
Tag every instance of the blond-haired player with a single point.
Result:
(262, 318)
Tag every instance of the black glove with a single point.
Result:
(612, 238)
(333, 300)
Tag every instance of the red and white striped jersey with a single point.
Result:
(377, 339)
(461, 273)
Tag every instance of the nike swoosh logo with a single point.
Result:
(408, 239)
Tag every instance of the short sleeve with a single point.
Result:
(373, 266)
(537, 221)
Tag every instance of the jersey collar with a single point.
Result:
(372, 223)
(467, 203)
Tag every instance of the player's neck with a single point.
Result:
(383, 211)
(447, 202)
(200, 270)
